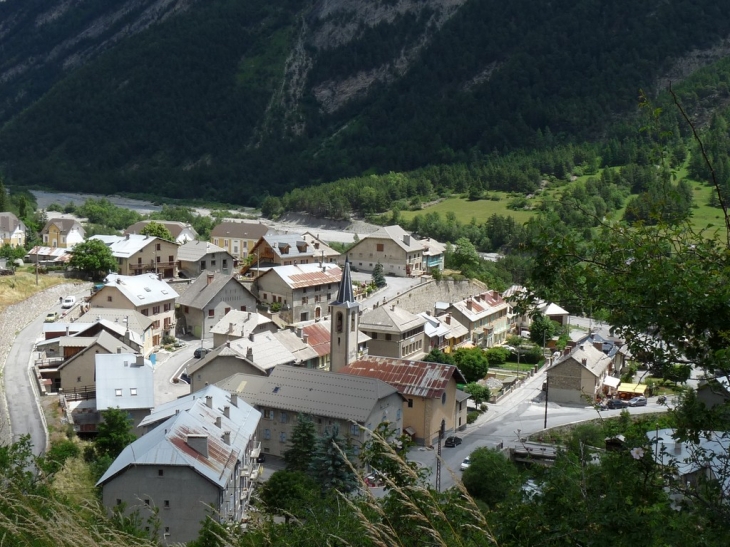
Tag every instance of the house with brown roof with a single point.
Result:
(209, 298)
(443, 332)
(302, 291)
(429, 389)
(578, 374)
(486, 317)
(238, 238)
(289, 249)
(62, 232)
(393, 332)
(12, 230)
(180, 231)
(399, 252)
(137, 254)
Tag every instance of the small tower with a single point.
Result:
(345, 322)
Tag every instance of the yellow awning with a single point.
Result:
(632, 388)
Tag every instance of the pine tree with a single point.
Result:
(330, 465)
(378, 276)
(303, 438)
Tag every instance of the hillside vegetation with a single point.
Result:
(233, 100)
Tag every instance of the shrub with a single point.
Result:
(166, 340)
(471, 417)
(497, 356)
(275, 307)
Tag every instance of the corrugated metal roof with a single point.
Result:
(393, 319)
(122, 383)
(129, 318)
(321, 393)
(240, 230)
(416, 378)
(240, 323)
(481, 305)
(192, 251)
(298, 276)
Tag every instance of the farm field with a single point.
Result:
(465, 210)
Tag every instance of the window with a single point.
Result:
(374, 335)
(243, 308)
(119, 502)
(410, 403)
(227, 310)
(156, 325)
(166, 504)
(139, 260)
(267, 434)
(284, 417)
(170, 259)
(304, 316)
(380, 247)
(133, 391)
(167, 529)
(147, 502)
(305, 300)
(266, 296)
(282, 437)
(158, 247)
(108, 298)
(443, 398)
(225, 262)
(186, 309)
(145, 312)
(211, 313)
(329, 296)
(202, 264)
(338, 323)
(353, 320)
(118, 392)
(212, 261)
(155, 310)
(388, 337)
(398, 414)
(354, 430)
(160, 472)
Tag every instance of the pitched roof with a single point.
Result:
(301, 350)
(553, 309)
(397, 234)
(104, 340)
(243, 384)
(58, 254)
(298, 276)
(481, 305)
(128, 245)
(416, 378)
(167, 444)
(294, 246)
(123, 382)
(431, 247)
(130, 318)
(174, 227)
(9, 222)
(240, 230)
(240, 323)
(321, 393)
(140, 289)
(390, 318)
(192, 251)
(266, 352)
(207, 285)
(594, 360)
(443, 325)
(64, 225)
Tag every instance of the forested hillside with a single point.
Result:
(232, 100)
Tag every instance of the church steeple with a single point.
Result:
(345, 322)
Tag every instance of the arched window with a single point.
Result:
(338, 322)
(352, 322)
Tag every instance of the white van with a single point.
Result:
(68, 302)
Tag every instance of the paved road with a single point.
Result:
(518, 415)
(396, 286)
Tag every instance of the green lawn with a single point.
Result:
(465, 210)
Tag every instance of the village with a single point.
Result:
(213, 348)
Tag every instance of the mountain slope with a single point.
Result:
(231, 100)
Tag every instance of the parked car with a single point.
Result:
(68, 302)
(638, 401)
(201, 352)
(452, 441)
(51, 317)
(465, 464)
(616, 403)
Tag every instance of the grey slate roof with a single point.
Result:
(240, 323)
(200, 292)
(393, 319)
(122, 371)
(167, 443)
(239, 230)
(396, 233)
(596, 362)
(243, 384)
(9, 222)
(321, 393)
(131, 318)
(192, 251)
(345, 294)
(65, 225)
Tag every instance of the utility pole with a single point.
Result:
(547, 389)
(442, 429)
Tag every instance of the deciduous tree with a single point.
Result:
(93, 258)
(155, 229)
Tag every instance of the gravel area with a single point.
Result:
(14, 319)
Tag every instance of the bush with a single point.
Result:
(166, 340)
(483, 407)
(471, 417)
(275, 307)
(497, 356)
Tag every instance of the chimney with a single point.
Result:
(447, 319)
(677, 447)
(566, 351)
(218, 422)
(305, 338)
(249, 353)
(234, 399)
(230, 328)
(250, 336)
(298, 332)
(209, 401)
(139, 360)
(199, 443)
(68, 330)
(211, 275)
(227, 437)
(406, 239)
(392, 307)
(584, 361)
(582, 347)
(598, 345)
(248, 315)
(468, 303)
(119, 349)
(227, 411)
(228, 343)
(127, 338)
(127, 238)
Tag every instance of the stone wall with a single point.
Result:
(424, 296)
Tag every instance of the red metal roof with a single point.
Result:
(318, 338)
(318, 277)
(417, 378)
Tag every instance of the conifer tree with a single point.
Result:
(329, 466)
(303, 438)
